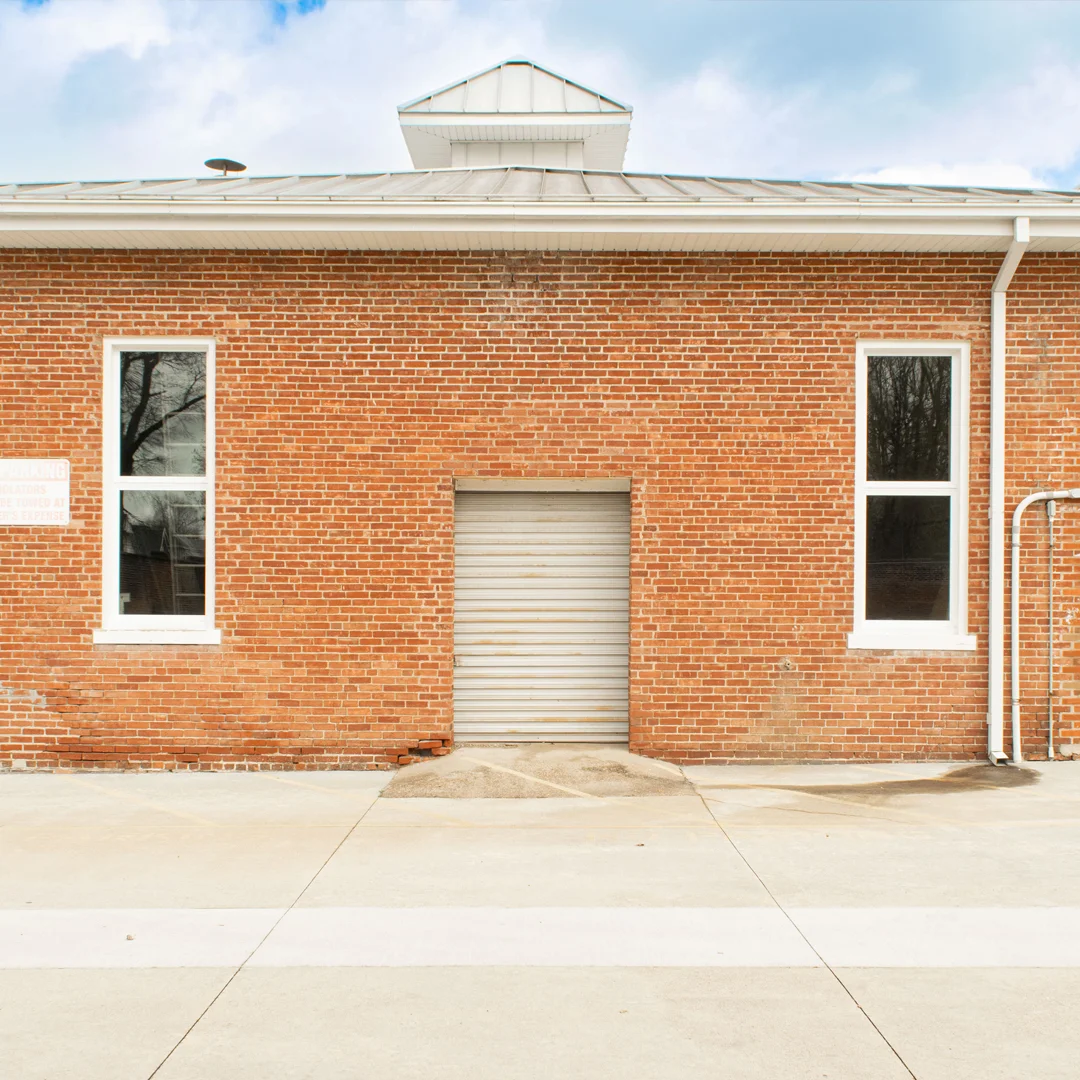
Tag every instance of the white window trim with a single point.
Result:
(117, 629)
(919, 635)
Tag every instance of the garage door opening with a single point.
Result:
(541, 617)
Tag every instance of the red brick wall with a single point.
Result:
(352, 388)
(1044, 453)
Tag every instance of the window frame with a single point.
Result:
(916, 634)
(116, 628)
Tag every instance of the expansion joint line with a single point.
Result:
(262, 940)
(798, 929)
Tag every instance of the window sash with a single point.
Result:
(160, 628)
(915, 633)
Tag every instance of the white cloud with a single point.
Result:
(114, 88)
(184, 82)
(1017, 135)
(47, 39)
(711, 122)
(981, 174)
(893, 83)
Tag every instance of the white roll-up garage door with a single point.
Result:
(541, 626)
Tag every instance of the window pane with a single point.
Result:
(162, 414)
(162, 553)
(908, 407)
(907, 557)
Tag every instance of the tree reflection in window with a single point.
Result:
(162, 414)
(162, 552)
(909, 400)
(909, 512)
(907, 557)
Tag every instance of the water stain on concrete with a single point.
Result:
(971, 778)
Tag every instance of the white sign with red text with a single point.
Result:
(35, 491)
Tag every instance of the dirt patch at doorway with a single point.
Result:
(537, 771)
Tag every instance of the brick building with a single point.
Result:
(520, 446)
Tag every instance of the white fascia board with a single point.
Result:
(30, 223)
(516, 132)
(1045, 220)
(429, 144)
(508, 119)
(417, 239)
(428, 135)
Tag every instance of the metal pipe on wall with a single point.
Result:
(1014, 608)
(995, 725)
(1051, 507)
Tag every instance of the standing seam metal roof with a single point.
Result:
(495, 71)
(530, 184)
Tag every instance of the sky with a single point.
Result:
(944, 92)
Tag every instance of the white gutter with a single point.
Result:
(470, 122)
(942, 219)
(995, 733)
(1014, 614)
(387, 226)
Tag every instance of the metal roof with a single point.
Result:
(526, 184)
(515, 85)
(517, 207)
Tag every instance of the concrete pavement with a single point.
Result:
(575, 913)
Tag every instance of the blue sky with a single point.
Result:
(934, 92)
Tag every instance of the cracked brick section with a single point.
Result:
(353, 387)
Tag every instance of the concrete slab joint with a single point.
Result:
(209, 925)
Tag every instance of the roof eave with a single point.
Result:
(486, 205)
(559, 226)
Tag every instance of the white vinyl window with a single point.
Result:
(911, 496)
(158, 492)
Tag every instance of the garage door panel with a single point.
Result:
(554, 730)
(557, 708)
(597, 602)
(522, 512)
(530, 686)
(546, 656)
(554, 642)
(541, 656)
(538, 539)
(532, 567)
(541, 617)
(514, 554)
(505, 625)
(545, 632)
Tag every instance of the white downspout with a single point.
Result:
(996, 689)
(1014, 609)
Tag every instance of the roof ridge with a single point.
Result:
(503, 63)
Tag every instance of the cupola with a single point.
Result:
(516, 113)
